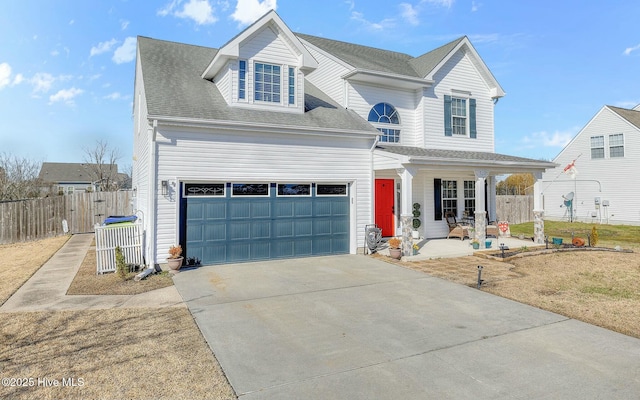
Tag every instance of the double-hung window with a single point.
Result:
(460, 116)
(469, 198)
(267, 83)
(616, 145)
(449, 197)
(597, 147)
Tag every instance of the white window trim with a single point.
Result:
(616, 146)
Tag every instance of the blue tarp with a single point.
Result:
(116, 219)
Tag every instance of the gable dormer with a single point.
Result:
(263, 67)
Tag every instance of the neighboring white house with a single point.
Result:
(283, 145)
(604, 188)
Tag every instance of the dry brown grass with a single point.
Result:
(24, 260)
(88, 282)
(116, 354)
(601, 288)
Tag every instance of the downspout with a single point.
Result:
(373, 183)
(153, 188)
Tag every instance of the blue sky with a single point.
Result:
(67, 66)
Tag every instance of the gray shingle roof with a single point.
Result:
(630, 115)
(369, 58)
(439, 155)
(70, 172)
(174, 88)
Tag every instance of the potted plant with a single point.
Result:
(394, 248)
(175, 257)
(416, 221)
(475, 244)
(415, 248)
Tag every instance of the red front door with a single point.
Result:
(384, 198)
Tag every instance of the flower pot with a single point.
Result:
(487, 244)
(175, 263)
(395, 253)
(476, 246)
(557, 241)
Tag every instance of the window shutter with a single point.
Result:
(447, 116)
(437, 199)
(472, 119)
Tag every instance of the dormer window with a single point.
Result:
(267, 83)
(242, 80)
(380, 116)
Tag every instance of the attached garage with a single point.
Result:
(237, 222)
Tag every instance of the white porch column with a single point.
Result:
(480, 214)
(538, 210)
(406, 205)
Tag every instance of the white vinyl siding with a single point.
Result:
(363, 97)
(458, 74)
(248, 157)
(327, 76)
(609, 178)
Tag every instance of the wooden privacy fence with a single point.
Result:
(515, 209)
(108, 237)
(32, 219)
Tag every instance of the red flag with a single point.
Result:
(571, 169)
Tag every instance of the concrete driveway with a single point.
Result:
(352, 327)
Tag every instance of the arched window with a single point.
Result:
(380, 116)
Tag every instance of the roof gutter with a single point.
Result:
(258, 127)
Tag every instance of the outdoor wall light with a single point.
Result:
(165, 187)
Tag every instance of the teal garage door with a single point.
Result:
(250, 222)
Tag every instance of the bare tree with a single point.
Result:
(18, 178)
(101, 162)
(518, 184)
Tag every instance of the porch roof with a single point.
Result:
(497, 163)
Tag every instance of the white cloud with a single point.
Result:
(54, 53)
(124, 24)
(200, 11)
(629, 50)
(248, 11)
(409, 13)
(557, 139)
(102, 47)
(126, 52)
(42, 82)
(475, 6)
(65, 95)
(5, 75)
(441, 3)
(374, 26)
(114, 96)
(18, 79)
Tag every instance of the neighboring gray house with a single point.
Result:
(67, 178)
(283, 145)
(606, 156)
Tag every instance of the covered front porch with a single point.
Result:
(436, 182)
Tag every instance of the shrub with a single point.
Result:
(594, 236)
(121, 264)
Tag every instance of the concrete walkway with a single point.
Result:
(47, 288)
(353, 327)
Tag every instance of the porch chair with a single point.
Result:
(492, 229)
(456, 229)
